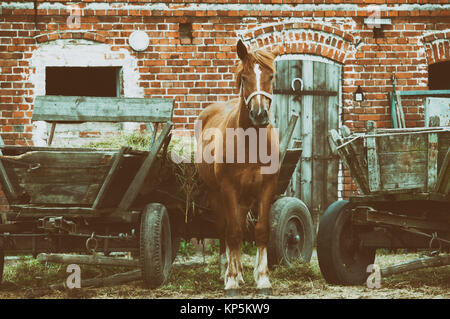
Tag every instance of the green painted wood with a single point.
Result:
(101, 109)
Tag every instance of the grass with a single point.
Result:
(29, 273)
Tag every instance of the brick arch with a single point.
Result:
(437, 46)
(87, 35)
(304, 38)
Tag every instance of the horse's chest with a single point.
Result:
(249, 180)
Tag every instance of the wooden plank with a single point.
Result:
(424, 262)
(101, 109)
(34, 211)
(295, 69)
(87, 260)
(432, 161)
(62, 160)
(7, 186)
(141, 175)
(332, 166)
(304, 189)
(52, 133)
(287, 137)
(107, 183)
(319, 143)
(373, 166)
(443, 181)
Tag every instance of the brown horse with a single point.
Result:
(235, 133)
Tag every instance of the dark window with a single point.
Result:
(439, 76)
(82, 81)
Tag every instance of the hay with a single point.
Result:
(179, 159)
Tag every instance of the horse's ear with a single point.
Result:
(276, 51)
(241, 50)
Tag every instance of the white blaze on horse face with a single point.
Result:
(258, 73)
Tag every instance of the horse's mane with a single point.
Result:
(262, 57)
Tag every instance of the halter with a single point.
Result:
(254, 93)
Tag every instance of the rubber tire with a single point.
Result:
(155, 245)
(283, 211)
(333, 223)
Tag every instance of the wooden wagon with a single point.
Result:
(403, 179)
(84, 200)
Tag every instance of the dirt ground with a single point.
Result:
(197, 277)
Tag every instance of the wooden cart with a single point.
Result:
(83, 200)
(403, 178)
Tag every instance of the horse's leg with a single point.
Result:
(217, 208)
(262, 230)
(233, 238)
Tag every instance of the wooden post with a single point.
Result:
(87, 260)
(109, 177)
(432, 159)
(6, 182)
(116, 279)
(287, 137)
(52, 133)
(420, 263)
(141, 175)
(373, 166)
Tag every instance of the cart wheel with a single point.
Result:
(341, 258)
(155, 245)
(291, 232)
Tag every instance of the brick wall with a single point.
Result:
(199, 70)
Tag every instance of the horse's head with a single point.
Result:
(255, 74)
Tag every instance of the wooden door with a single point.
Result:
(315, 180)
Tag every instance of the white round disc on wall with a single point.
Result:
(138, 40)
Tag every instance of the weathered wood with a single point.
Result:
(8, 187)
(287, 137)
(34, 211)
(101, 109)
(424, 262)
(59, 177)
(52, 133)
(443, 180)
(141, 175)
(107, 183)
(399, 111)
(306, 175)
(333, 74)
(319, 144)
(432, 161)
(372, 159)
(87, 260)
(116, 279)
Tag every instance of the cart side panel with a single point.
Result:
(403, 161)
(59, 178)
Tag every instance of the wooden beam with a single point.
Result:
(107, 183)
(443, 180)
(287, 137)
(141, 175)
(424, 262)
(101, 109)
(87, 260)
(373, 167)
(52, 133)
(116, 279)
(8, 187)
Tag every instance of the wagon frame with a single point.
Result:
(403, 179)
(110, 200)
